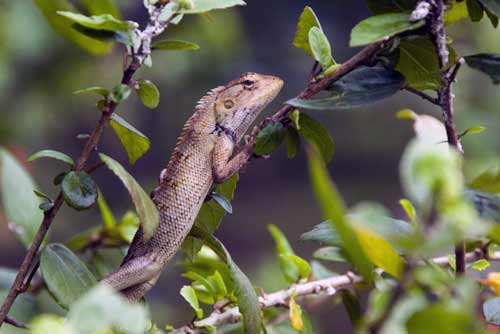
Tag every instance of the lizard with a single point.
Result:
(205, 154)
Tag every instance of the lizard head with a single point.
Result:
(241, 101)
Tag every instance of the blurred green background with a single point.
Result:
(39, 70)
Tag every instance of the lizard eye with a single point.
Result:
(248, 84)
(228, 104)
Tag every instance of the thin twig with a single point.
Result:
(16, 323)
(153, 29)
(421, 94)
(328, 286)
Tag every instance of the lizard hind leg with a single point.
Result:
(138, 270)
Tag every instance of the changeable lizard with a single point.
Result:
(204, 155)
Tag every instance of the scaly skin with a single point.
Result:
(203, 155)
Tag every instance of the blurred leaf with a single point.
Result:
(457, 11)
(492, 5)
(148, 93)
(223, 202)
(108, 311)
(487, 181)
(472, 130)
(439, 319)
(292, 142)
(319, 271)
(362, 86)
(493, 18)
(190, 296)
(133, 141)
(320, 47)
(58, 178)
(7, 277)
(80, 191)
(487, 205)
(108, 218)
(329, 254)
(67, 278)
(120, 93)
(295, 314)
(269, 138)
(491, 311)
(475, 9)
(48, 323)
(46, 206)
(377, 28)
(419, 64)
(391, 6)
(248, 302)
(334, 209)
(282, 245)
(493, 281)
(101, 7)
(210, 216)
(64, 26)
(409, 209)
(128, 226)
(480, 265)
(430, 129)
(488, 63)
(144, 206)
(19, 201)
(307, 20)
(24, 309)
(323, 233)
(317, 136)
(352, 306)
(303, 267)
(174, 45)
(105, 22)
(202, 6)
(51, 154)
(93, 90)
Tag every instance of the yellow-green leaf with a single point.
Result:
(133, 141)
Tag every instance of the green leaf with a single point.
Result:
(105, 22)
(476, 11)
(282, 245)
(377, 28)
(269, 138)
(51, 154)
(353, 307)
(323, 233)
(409, 209)
(20, 204)
(419, 64)
(223, 202)
(108, 311)
(487, 205)
(307, 20)
(303, 267)
(439, 319)
(128, 225)
(292, 142)
(480, 265)
(93, 90)
(317, 136)
(64, 26)
(101, 7)
(80, 191)
(144, 206)
(120, 93)
(148, 93)
(203, 6)
(108, 218)
(333, 254)
(488, 63)
(488, 181)
(456, 11)
(248, 302)
(492, 5)
(190, 296)
(334, 209)
(67, 278)
(472, 130)
(494, 19)
(360, 87)
(491, 311)
(133, 141)
(320, 47)
(174, 45)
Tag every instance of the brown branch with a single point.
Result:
(16, 323)
(20, 285)
(421, 94)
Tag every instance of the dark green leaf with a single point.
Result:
(323, 233)
(419, 64)
(101, 7)
(488, 181)
(202, 6)
(269, 139)
(491, 311)
(487, 205)
(476, 11)
(329, 254)
(334, 209)
(292, 142)
(46, 206)
(93, 90)
(144, 206)
(148, 93)
(67, 278)
(439, 319)
(492, 5)
(320, 47)
(120, 93)
(377, 28)
(133, 141)
(58, 178)
(493, 18)
(360, 87)
(317, 136)
(488, 63)
(64, 26)
(307, 20)
(19, 202)
(353, 307)
(390, 6)
(80, 191)
(98, 22)
(52, 154)
(174, 45)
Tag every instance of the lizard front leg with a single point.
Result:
(223, 166)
